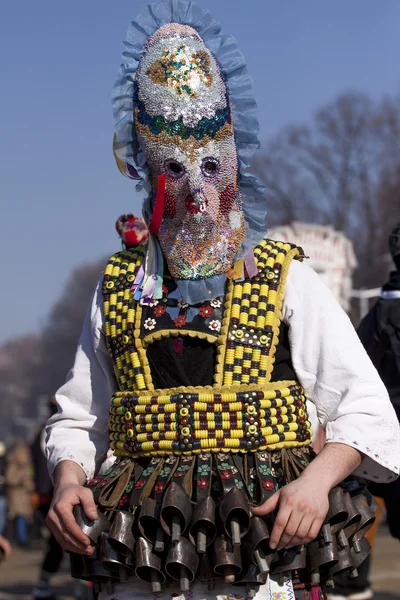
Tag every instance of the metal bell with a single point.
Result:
(176, 511)
(121, 536)
(92, 529)
(182, 563)
(112, 560)
(148, 565)
(203, 531)
(256, 545)
(234, 511)
(226, 558)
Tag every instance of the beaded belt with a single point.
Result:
(191, 420)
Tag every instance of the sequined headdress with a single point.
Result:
(188, 93)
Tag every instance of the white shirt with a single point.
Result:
(351, 401)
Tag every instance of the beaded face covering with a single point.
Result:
(184, 126)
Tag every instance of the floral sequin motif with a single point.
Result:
(216, 303)
(182, 70)
(159, 487)
(159, 310)
(215, 325)
(203, 470)
(165, 471)
(205, 311)
(149, 324)
(181, 470)
(226, 471)
(180, 321)
(268, 485)
(202, 483)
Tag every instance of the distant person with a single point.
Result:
(379, 332)
(3, 497)
(54, 553)
(5, 549)
(20, 486)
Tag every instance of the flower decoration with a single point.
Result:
(264, 469)
(216, 303)
(159, 310)
(94, 480)
(205, 311)
(180, 321)
(215, 326)
(182, 304)
(159, 487)
(129, 487)
(202, 483)
(268, 485)
(203, 470)
(165, 472)
(149, 324)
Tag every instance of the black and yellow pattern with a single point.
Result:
(242, 411)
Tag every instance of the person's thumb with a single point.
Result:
(87, 501)
(268, 506)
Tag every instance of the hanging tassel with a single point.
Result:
(158, 210)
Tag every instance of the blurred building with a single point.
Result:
(330, 253)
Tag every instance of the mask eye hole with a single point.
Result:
(175, 168)
(209, 166)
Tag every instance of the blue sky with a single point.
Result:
(60, 191)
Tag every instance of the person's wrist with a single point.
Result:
(68, 472)
(313, 478)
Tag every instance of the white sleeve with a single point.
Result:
(331, 364)
(79, 430)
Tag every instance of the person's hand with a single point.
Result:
(5, 548)
(302, 507)
(69, 492)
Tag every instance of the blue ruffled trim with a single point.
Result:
(201, 290)
(130, 158)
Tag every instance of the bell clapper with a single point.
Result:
(176, 529)
(159, 541)
(155, 582)
(235, 532)
(261, 560)
(201, 540)
(184, 579)
(229, 574)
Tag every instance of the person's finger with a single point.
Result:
(301, 533)
(68, 525)
(268, 506)
(280, 523)
(87, 501)
(314, 530)
(63, 537)
(290, 530)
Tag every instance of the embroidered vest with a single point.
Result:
(243, 411)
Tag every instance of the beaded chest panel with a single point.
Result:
(242, 411)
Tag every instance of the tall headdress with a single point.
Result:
(184, 110)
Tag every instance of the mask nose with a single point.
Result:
(197, 196)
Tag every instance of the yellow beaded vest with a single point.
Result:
(243, 411)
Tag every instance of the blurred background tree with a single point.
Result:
(341, 170)
(33, 367)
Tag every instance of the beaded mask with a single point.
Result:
(184, 126)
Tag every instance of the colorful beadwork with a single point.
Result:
(242, 411)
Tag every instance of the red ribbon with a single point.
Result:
(158, 210)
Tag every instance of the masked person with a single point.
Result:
(207, 344)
